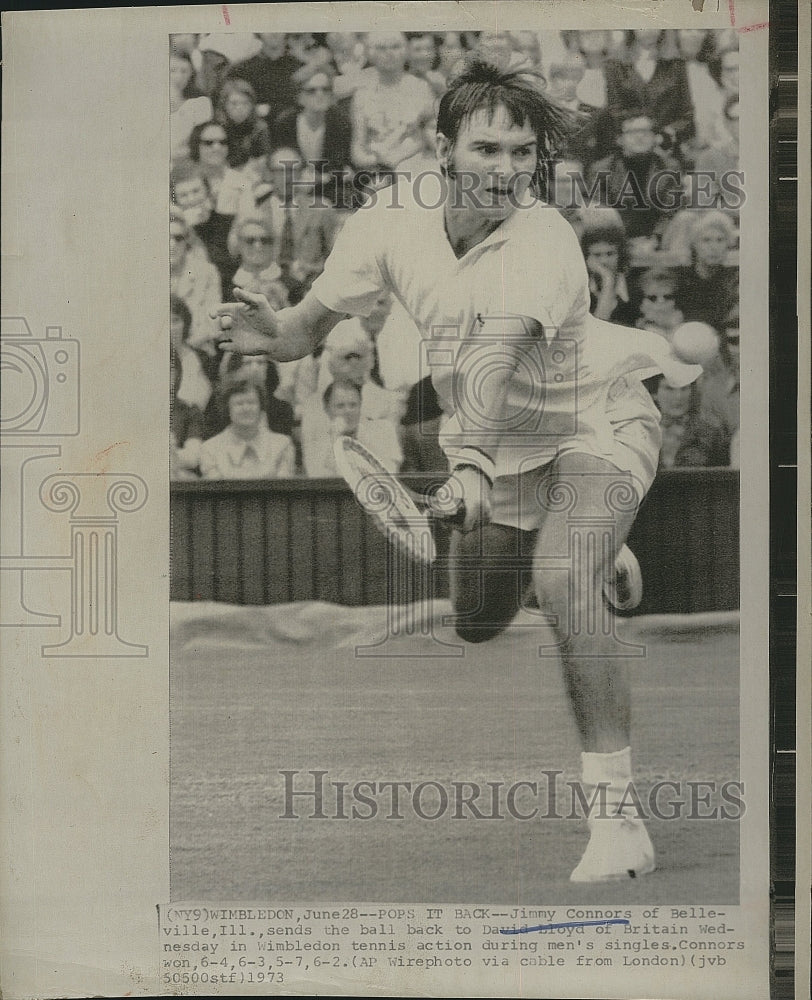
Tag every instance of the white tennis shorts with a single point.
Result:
(629, 439)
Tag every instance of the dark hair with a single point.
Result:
(197, 132)
(628, 114)
(657, 274)
(238, 384)
(607, 234)
(630, 39)
(179, 308)
(339, 384)
(271, 383)
(482, 86)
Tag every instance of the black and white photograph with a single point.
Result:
(388, 549)
(491, 280)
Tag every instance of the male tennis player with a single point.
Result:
(548, 408)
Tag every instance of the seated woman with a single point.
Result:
(342, 406)
(187, 106)
(209, 148)
(252, 242)
(709, 289)
(247, 134)
(246, 449)
(604, 249)
(262, 371)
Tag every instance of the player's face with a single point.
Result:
(244, 410)
(493, 161)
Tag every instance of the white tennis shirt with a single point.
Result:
(530, 266)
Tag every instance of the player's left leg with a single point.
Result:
(589, 510)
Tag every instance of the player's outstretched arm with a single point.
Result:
(250, 326)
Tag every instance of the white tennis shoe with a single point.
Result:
(619, 848)
(625, 590)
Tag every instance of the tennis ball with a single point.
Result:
(695, 343)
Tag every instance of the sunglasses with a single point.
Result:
(213, 142)
(254, 241)
(353, 356)
(316, 90)
(667, 297)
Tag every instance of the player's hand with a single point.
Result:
(470, 494)
(248, 325)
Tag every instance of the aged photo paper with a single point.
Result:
(251, 745)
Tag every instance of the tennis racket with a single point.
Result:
(402, 515)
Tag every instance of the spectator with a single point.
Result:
(392, 116)
(452, 53)
(709, 288)
(688, 438)
(185, 428)
(187, 106)
(695, 48)
(318, 131)
(497, 47)
(247, 449)
(349, 357)
(593, 45)
(528, 49)
(210, 150)
(604, 249)
(650, 84)
(262, 371)
(246, 133)
(302, 225)
(253, 241)
(721, 154)
(423, 60)
(658, 310)
(342, 415)
(719, 385)
(217, 53)
(642, 183)
(195, 385)
(725, 70)
(193, 278)
(270, 72)
(191, 195)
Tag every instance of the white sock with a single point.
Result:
(614, 770)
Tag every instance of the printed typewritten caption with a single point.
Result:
(234, 948)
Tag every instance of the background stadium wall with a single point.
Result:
(273, 542)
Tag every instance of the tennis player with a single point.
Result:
(548, 409)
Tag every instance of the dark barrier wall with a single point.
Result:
(298, 540)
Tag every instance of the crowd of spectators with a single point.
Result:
(275, 138)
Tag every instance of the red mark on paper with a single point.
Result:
(226, 17)
(731, 6)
